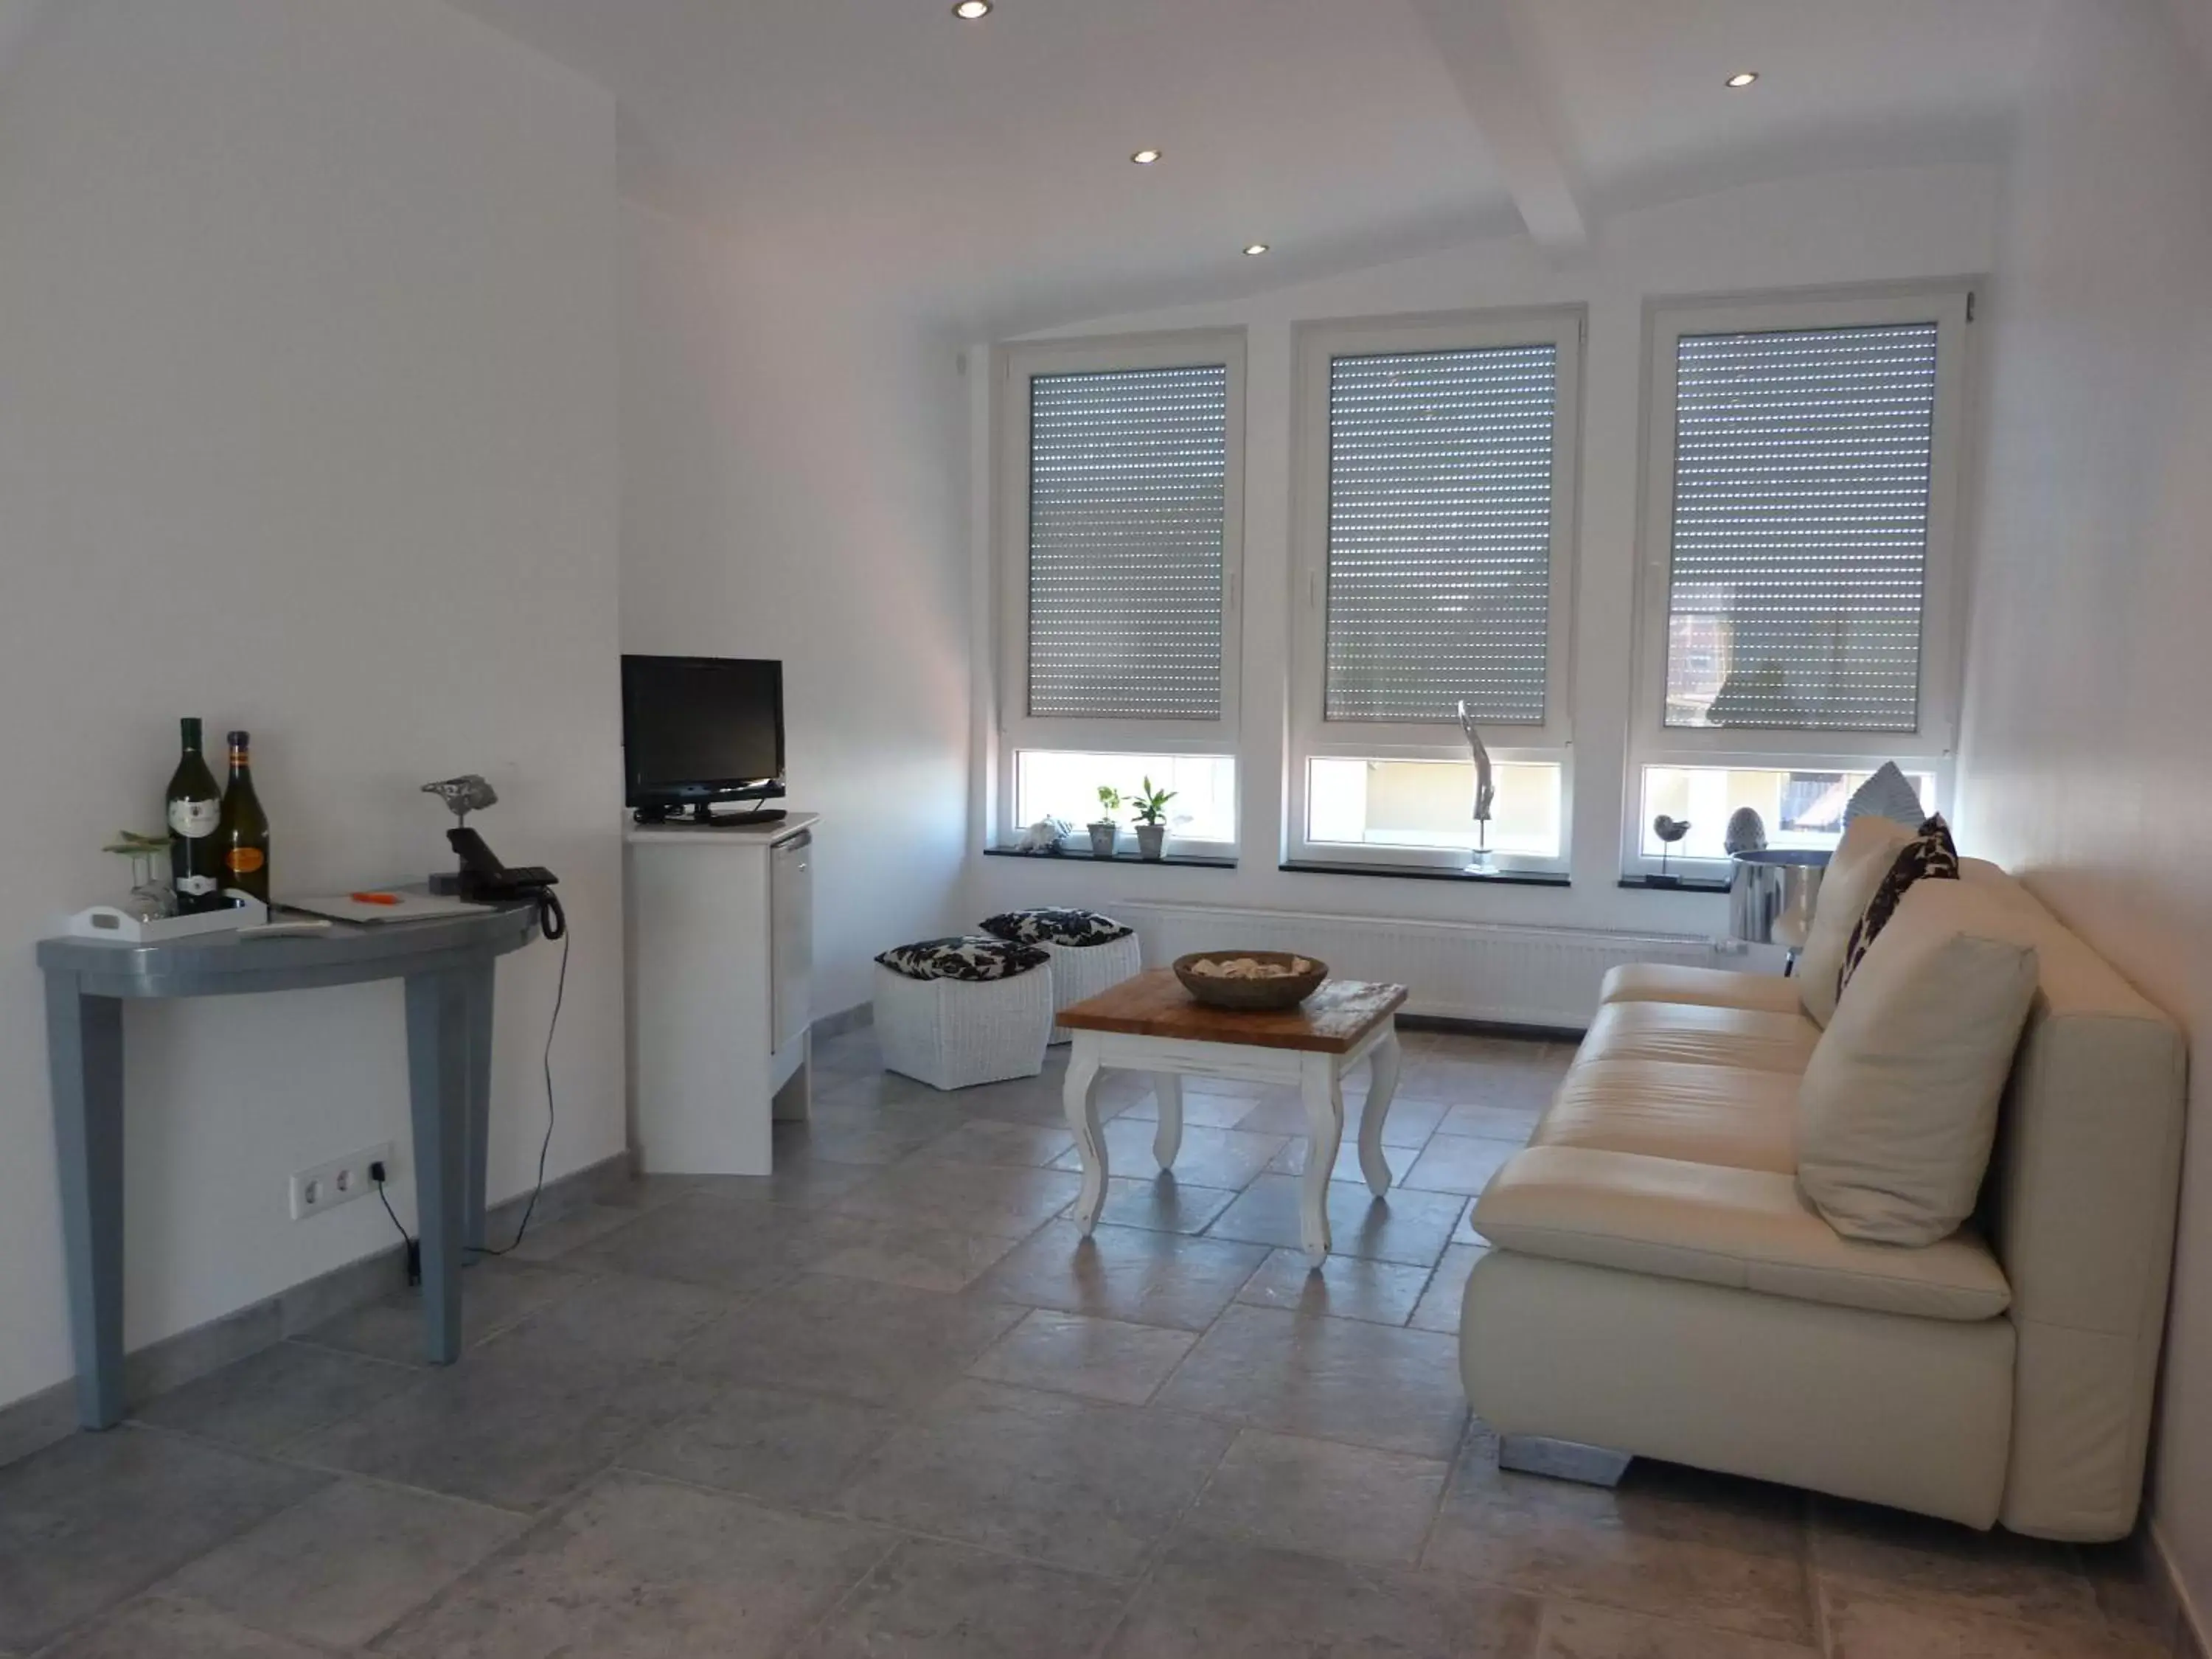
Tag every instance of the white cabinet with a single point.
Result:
(719, 930)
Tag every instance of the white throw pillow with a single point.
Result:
(1862, 858)
(1898, 1108)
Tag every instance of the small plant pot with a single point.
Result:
(1151, 841)
(1102, 839)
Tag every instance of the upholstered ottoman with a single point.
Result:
(954, 1013)
(1090, 952)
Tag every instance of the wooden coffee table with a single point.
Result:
(1150, 1024)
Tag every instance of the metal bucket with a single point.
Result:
(1770, 894)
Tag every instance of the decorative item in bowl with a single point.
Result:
(1251, 980)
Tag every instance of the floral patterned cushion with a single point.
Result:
(1929, 856)
(1055, 925)
(970, 958)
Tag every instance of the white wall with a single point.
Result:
(307, 334)
(1842, 227)
(2087, 760)
(793, 460)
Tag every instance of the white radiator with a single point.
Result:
(1503, 974)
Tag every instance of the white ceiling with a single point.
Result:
(981, 170)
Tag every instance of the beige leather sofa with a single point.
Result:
(1659, 1286)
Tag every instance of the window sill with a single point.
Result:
(1417, 872)
(1187, 861)
(1679, 884)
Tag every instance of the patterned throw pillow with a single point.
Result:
(1055, 925)
(1929, 856)
(970, 958)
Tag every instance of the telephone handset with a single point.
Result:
(484, 877)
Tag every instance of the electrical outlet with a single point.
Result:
(340, 1181)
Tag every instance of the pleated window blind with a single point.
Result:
(1440, 534)
(1128, 474)
(1802, 468)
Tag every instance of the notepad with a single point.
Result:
(413, 905)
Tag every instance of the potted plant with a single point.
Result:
(1151, 807)
(1103, 828)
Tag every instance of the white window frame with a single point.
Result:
(1015, 367)
(1931, 749)
(1316, 343)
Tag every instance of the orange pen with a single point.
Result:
(373, 898)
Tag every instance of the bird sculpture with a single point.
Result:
(463, 795)
(1669, 831)
(1485, 790)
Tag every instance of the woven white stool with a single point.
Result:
(1080, 972)
(954, 1034)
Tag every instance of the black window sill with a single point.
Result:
(1679, 884)
(1187, 861)
(1417, 872)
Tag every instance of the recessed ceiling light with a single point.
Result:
(1145, 158)
(1743, 78)
(968, 11)
(1256, 249)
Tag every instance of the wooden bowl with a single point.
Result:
(1252, 994)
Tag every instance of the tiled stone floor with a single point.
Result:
(888, 1402)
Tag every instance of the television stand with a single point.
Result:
(700, 817)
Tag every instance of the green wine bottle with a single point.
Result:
(194, 811)
(244, 832)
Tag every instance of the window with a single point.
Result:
(1120, 467)
(1797, 572)
(1436, 506)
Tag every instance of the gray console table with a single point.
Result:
(447, 964)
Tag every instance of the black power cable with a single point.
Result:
(553, 923)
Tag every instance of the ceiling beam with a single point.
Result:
(1482, 43)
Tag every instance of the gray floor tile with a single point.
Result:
(793, 1449)
(1459, 1163)
(1345, 1287)
(737, 1247)
(861, 1135)
(1075, 1353)
(878, 1344)
(1865, 1623)
(1123, 1273)
(1573, 1631)
(1439, 1306)
(993, 1140)
(921, 1258)
(270, 1398)
(964, 1198)
(1336, 1379)
(1291, 1160)
(933, 1601)
(1513, 1124)
(1212, 1598)
(628, 1318)
(1163, 1204)
(1208, 1158)
(1700, 1548)
(1408, 1123)
(94, 1519)
(1200, 1109)
(1404, 1226)
(1481, 1083)
(33, 1424)
(799, 1182)
(494, 1294)
(549, 1238)
(520, 1422)
(640, 1567)
(165, 1627)
(1323, 1498)
(347, 1563)
(1074, 1483)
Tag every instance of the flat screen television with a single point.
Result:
(698, 730)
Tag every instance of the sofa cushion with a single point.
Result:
(971, 958)
(1706, 987)
(1898, 1108)
(1056, 925)
(1862, 858)
(1701, 1035)
(1750, 1228)
(1733, 1116)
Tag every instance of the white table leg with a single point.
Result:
(1167, 1140)
(1081, 1099)
(1322, 1085)
(1382, 1085)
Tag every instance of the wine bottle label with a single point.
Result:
(243, 860)
(196, 886)
(194, 818)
